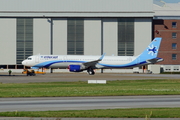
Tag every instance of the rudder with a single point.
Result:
(151, 51)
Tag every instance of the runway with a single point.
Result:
(87, 103)
(69, 77)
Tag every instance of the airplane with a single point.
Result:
(79, 63)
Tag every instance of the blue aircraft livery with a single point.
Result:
(78, 63)
(49, 57)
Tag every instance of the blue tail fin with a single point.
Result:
(151, 51)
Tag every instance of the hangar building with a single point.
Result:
(69, 27)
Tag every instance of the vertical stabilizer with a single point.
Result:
(151, 51)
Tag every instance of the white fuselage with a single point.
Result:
(78, 63)
(63, 61)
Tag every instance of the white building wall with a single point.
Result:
(143, 34)
(110, 36)
(8, 40)
(76, 8)
(41, 40)
(77, 5)
(92, 36)
(60, 36)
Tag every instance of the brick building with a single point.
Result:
(166, 24)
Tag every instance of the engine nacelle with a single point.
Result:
(76, 68)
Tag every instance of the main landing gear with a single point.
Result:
(90, 71)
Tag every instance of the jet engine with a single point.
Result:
(76, 68)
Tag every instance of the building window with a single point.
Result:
(75, 36)
(24, 40)
(174, 24)
(174, 35)
(125, 36)
(174, 45)
(174, 56)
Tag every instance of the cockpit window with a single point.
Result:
(29, 58)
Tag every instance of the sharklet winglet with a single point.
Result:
(101, 57)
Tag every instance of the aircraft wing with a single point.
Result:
(93, 63)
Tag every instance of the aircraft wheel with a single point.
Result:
(91, 72)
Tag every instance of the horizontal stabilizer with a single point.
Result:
(155, 60)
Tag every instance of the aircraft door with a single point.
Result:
(65, 58)
(138, 60)
(37, 59)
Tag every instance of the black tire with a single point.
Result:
(90, 71)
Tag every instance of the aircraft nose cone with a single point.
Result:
(23, 62)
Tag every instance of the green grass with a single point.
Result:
(109, 113)
(112, 88)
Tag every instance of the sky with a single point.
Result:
(171, 1)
